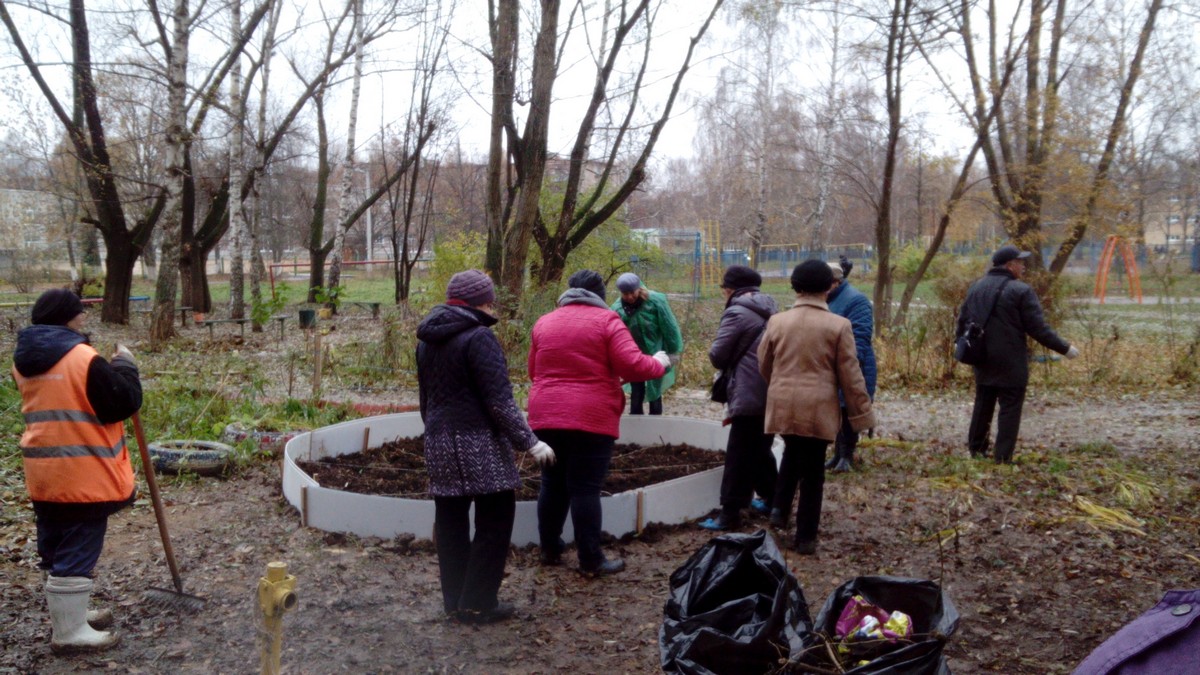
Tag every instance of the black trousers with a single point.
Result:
(749, 464)
(472, 568)
(1008, 423)
(637, 394)
(804, 465)
(573, 485)
(847, 438)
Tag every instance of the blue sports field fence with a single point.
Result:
(778, 261)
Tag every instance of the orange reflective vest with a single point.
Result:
(70, 456)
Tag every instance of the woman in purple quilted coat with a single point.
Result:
(472, 428)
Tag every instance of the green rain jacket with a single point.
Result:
(654, 329)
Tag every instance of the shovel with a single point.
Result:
(163, 596)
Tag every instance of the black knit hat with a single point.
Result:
(588, 281)
(812, 276)
(740, 276)
(56, 307)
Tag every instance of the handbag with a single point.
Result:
(720, 386)
(970, 347)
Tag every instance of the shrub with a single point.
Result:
(463, 251)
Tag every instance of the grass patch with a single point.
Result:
(1096, 448)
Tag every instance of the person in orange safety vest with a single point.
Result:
(77, 468)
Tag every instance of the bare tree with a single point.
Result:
(1020, 154)
(339, 239)
(411, 200)
(1079, 224)
(517, 160)
(123, 240)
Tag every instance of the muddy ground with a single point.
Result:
(1038, 578)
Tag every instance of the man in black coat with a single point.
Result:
(1004, 375)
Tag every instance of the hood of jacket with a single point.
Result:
(578, 296)
(446, 321)
(758, 302)
(39, 347)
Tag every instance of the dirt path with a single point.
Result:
(1037, 587)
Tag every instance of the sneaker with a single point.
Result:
(759, 506)
(604, 569)
(501, 612)
(721, 522)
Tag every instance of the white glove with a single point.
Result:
(1072, 353)
(674, 360)
(123, 352)
(662, 358)
(542, 454)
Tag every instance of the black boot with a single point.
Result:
(833, 461)
(845, 461)
(778, 519)
(839, 452)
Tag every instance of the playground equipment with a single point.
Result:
(708, 270)
(1111, 245)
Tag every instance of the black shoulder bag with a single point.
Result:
(720, 385)
(970, 348)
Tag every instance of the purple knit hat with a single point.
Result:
(472, 287)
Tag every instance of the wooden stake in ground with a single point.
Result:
(317, 359)
(291, 372)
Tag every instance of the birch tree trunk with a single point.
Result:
(344, 224)
(237, 158)
(827, 130)
(764, 94)
(163, 319)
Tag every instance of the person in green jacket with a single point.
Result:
(649, 318)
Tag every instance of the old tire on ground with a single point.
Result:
(205, 458)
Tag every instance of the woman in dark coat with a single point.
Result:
(749, 464)
(472, 427)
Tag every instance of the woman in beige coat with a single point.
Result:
(808, 353)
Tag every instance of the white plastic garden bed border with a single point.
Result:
(332, 510)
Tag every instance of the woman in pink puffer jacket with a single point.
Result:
(579, 355)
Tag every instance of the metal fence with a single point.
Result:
(778, 261)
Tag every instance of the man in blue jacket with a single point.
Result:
(846, 300)
(1003, 376)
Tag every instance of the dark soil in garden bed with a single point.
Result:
(397, 468)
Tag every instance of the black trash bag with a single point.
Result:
(934, 620)
(733, 608)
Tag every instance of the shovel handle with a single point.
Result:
(159, 514)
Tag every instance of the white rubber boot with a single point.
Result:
(100, 618)
(97, 618)
(67, 598)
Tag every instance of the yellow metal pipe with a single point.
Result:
(276, 595)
